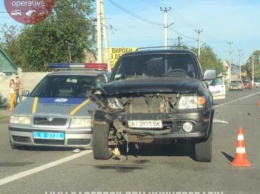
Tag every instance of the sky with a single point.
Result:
(227, 25)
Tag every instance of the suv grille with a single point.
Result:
(50, 122)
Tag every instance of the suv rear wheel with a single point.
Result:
(203, 149)
(101, 150)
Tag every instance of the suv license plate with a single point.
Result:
(145, 124)
(48, 135)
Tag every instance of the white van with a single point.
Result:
(218, 88)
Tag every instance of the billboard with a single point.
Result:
(116, 52)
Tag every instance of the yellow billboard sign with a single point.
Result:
(115, 53)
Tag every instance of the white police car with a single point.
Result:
(57, 112)
(217, 88)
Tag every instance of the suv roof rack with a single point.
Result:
(162, 47)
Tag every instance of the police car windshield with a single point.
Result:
(66, 86)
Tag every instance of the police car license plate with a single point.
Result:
(145, 124)
(48, 135)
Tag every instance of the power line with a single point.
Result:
(135, 15)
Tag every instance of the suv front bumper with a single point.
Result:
(201, 121)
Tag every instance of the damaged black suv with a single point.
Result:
(154, 95)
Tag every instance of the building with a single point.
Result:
(7, 66)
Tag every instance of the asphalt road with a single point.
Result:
(157, 169)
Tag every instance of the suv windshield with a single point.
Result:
(155, 65)
(69, 86)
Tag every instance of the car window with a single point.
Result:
(155, 65)
(216, 82)
(65, 86)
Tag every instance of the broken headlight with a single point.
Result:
(115, 103)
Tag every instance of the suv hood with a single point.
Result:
(152, 85)
(55, 106)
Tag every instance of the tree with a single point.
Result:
(64, 36)
(249, 65)
(209, 59)
(9, 36)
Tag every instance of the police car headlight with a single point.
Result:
(20, 120)
(191, 102)
(80, 122)
(115, 103)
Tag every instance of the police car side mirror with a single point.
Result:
(26, 93)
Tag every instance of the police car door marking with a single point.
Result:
(35, 103)
(79, 107)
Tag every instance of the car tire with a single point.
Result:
(101, 150)
(203, 149)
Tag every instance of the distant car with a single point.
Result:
(16, 12)
(236, 85)
(217, 88)
(247, 84)
(57, 113)
(257, 83)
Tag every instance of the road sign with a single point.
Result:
(116, 52)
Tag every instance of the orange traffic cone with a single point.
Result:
(259, 103)
(240, 158)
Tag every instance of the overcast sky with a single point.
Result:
(139, 23)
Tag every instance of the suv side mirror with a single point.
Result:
(210, 74)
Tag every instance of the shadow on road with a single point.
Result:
(230, 158)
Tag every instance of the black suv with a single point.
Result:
(154, 95)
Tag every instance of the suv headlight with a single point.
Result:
(80, 122)
(115, 103)
(20, 120)
(190, 102)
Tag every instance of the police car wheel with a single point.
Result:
(101, 150)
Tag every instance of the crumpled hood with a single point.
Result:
(155, 84)
(55, 106)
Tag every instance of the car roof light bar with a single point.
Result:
(93, 66)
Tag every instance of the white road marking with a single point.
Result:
(237, 100)
(43, 167)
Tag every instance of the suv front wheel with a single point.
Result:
(101, 150)
(203, 149)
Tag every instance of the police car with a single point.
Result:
(57, 112)
(217, 88)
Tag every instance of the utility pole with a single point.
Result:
(199, 31)
(99, 38)
(165, 10)
(179, 41)
(104, 30)
(230, 60)
(253, 68)
(240, 55)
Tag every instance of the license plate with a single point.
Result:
(145, 124)
(48, 135)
